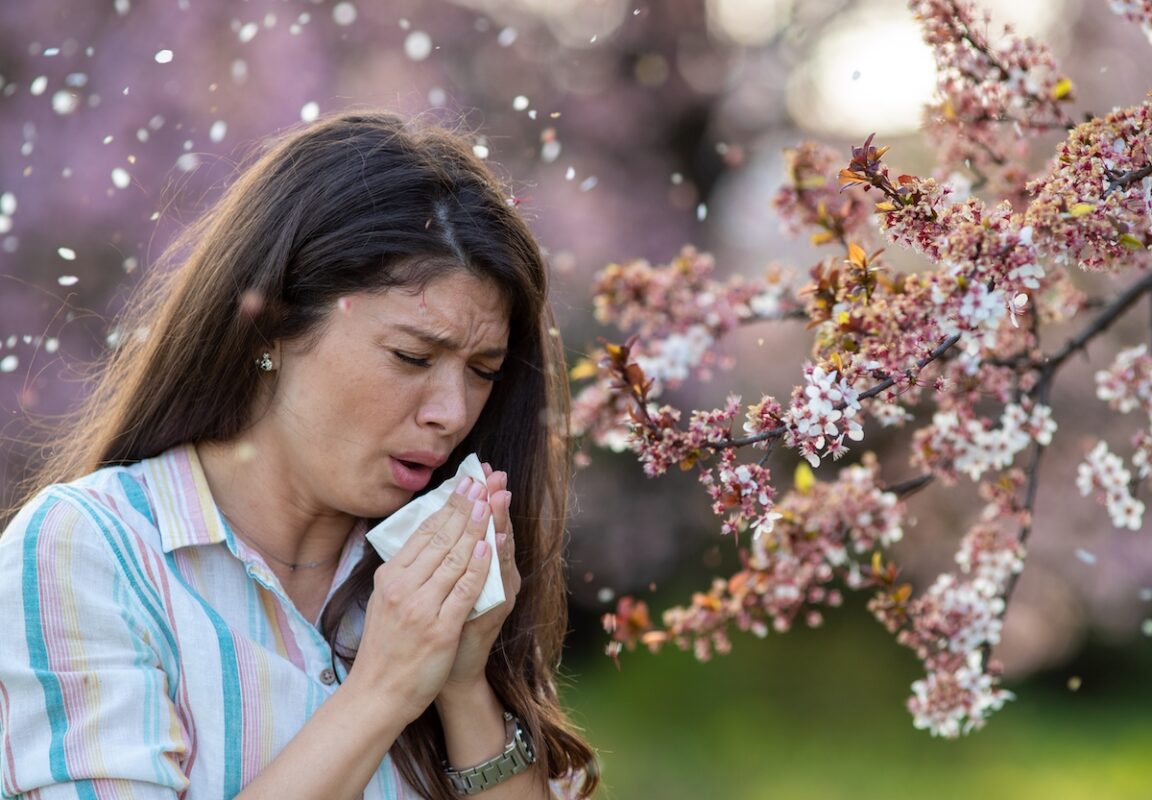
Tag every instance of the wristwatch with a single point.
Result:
(518, 755)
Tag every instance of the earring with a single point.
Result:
(264, 363)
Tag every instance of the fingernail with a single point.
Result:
(478, 510)
(481, 549)
(476, 490)
(464, 484)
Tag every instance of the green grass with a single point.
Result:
(819, 715)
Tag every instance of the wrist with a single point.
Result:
(473, 697)
(380, 709)
(472, 717)
(517, 756)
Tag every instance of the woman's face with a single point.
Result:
(361, 417)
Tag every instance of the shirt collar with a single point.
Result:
(186, 514)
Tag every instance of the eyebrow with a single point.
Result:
(445, 342)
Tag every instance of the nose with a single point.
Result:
(444, 404)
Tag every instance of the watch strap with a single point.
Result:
(517, 756)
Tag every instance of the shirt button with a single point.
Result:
(327, 677)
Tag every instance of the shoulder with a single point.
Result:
(81, 555)
(97, 497)
(103, 513)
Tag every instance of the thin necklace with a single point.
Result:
(291, 565)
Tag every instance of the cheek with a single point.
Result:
(478, 401)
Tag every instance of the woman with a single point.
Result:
(189, 609)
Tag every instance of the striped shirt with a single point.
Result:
(146, 652)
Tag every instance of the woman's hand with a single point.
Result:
(480, 633)
(420, 602)
(470, 712)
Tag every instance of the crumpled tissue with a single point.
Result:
(391, 534)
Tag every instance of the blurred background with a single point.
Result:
(625, 130)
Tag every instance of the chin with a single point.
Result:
(390, 502)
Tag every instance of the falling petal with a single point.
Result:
(344, 13)
(310, 111)
(418, 45)
(66, 253)
(65, 102)
(163, 56)
(67, 280)
(188, 162)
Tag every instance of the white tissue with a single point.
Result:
(391, 534)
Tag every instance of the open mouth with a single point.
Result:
(410, 475)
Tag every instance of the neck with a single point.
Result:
(255, 495)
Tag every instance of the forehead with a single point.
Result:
(458, 311)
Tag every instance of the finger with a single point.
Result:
(497, 482)
(457, 560)
(438, 533)
(506, 549)
(487, 469)
(501, 511)
(506, 552)
(464, 592)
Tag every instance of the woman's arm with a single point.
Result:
(84, 706)
(412, 631)
(61, 579)
(470, 713)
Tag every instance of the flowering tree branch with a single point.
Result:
(988, 266)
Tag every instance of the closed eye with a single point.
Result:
(488, 375)
(419, 361)
(407, 358)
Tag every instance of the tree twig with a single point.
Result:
(911, 486)
(1119, 180)
(885, 384)
(1097, 326)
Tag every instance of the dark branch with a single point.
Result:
(1120, 180)
(890, 381)
(1102, 322)
(884, 385)
(911, 486)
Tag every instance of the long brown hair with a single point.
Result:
(356, 202)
